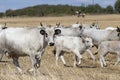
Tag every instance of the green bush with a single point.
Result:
(57, 10)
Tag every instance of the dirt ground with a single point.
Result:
(88, 70)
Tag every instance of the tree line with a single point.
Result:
(60, 10)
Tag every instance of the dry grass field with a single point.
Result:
(88, 70)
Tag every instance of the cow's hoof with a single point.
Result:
(105, 65)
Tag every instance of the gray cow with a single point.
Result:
(78, 46)
(102, 35)
(21, 42)
(86, 26)
(68, 31)
(109, 47)
(71, 31)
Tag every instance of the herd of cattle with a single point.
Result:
(77, 38)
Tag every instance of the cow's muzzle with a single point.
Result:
(51, 44)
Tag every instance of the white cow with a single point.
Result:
(76, 45)
(109, 47)
(68, 31)
(71, 31)
(86, 26)
(23, 41)
(101, 35)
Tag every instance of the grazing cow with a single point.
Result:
(109, 47)
(23, 41)
(78, 47)
(102, 35)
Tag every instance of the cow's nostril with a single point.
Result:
(51, 44)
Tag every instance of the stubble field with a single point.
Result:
(88, 70)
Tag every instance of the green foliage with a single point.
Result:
(117, 6)
(57, 10)
(1, 14)
(109, 9)
(43, 10)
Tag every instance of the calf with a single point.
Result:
(76, 45)
(109, 47)
(71, 31)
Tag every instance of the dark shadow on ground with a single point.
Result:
(4, 61)
(87, 66)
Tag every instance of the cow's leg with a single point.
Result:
(79, 56)
(79, 61)
(54, 51)
(34, 62)
(102, 59)
(16, 63)
(118, 59)
(38, 58)
(62, 58)
(75, 60)
(1, 55)
(96, 52)
(57, 55)
(89, 51)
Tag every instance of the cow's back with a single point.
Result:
(23, 40)
(111, 46)
(68, 43)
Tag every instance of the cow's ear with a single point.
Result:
(57, 31)
(118, 29)
(42, 32)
